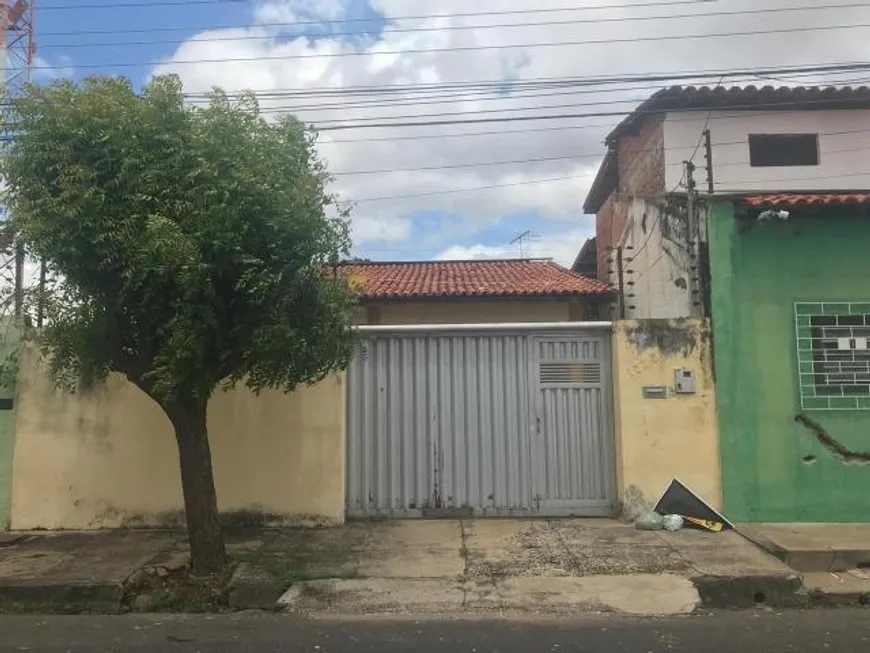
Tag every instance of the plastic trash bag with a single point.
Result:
(672, 522)
(650, 521)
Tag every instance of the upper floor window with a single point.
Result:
(775, 150)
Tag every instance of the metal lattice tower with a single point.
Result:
(17, 51)
(19, 46)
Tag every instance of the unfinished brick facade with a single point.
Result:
(641, 173)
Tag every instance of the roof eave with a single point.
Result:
(605, 183)
(602, 294)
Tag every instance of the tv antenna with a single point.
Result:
(521, 241)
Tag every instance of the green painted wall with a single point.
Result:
(759, 271)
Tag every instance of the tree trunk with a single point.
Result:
(207, 551)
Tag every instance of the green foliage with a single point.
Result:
(193, 246)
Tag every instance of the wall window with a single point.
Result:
(833, 344)
(779, 150)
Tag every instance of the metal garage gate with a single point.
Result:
(513, 420)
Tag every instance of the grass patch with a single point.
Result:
(285, 571)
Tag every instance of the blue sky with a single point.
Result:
(425, 231)
(483, 184)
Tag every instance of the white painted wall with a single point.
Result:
(844, 157)
(659, 267)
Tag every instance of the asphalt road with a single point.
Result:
(724, 632)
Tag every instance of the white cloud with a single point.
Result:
(561, 246)
(279, 64)
(48, 71)
(387, 229)
(289, 11)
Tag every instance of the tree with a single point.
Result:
(193, 246)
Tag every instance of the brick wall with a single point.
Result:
(641, 161)
(604, 238)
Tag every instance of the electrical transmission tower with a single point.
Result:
(17, 50)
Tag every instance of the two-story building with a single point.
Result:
(751, 206)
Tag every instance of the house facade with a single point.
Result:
(750, 213)
(476, 392)
(715, 143)
(791, 321)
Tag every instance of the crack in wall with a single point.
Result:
(837, 449)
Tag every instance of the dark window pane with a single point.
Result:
(774, 150)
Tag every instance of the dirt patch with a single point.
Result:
(158, 589)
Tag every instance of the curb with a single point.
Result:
(820, 599)
(735, 592)
(254, 589)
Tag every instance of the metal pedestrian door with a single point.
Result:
(474, 421)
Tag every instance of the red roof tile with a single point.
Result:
(482, 278)
(797, 199)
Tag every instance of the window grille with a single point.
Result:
(833, 346)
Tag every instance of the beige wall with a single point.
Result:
(662, 439)
(474, 311)
(107, 458)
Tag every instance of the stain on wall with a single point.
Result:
(678, 337)
(774, 469)
(107, 458)
(674, 437)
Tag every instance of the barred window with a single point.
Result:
(833, 343)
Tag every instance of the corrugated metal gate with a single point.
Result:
(508, 421)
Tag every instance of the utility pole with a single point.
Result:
(620, 276)
(708, 156)
(691, 189)
(703, 247)
(692, 236)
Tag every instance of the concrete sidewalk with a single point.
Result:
(422, 567)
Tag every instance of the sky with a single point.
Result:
(451, 190)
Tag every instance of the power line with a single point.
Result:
(448, 28)
(455, 97)
(500, 132)
(365, 119)
(141, 5)
(468, 48)
(593, 80)
(332, 126)
(475, 112)
(756, 191)
(449, 97)
(569, 157)
(463, 190)
(860, 148)
(461, 165)
(180, 3)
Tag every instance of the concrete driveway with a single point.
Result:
(536, 565)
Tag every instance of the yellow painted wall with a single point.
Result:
(472, 312)
(662, 439)
(108, 458)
